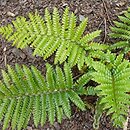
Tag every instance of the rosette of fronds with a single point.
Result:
(51, 34)
(25, 92)
(121, 31)
(113, 78)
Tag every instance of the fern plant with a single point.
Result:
(48, 35)
(25, 92)
(113, 78)
(121, 30)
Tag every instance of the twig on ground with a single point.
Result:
(5, 56)
(105, 30)
(106, 11)
(77, 76)
(100, 24)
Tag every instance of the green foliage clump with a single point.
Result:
(25, 91)
(114, 84)
(48, 35)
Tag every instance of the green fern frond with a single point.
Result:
(25, 92)
(6, 31)
(48, 22)
(89, 37)
(91, 91)
(97, 46)
(98, 54)
(48, 35)
(120, 44)
(122, 31)
(56, 23)
(97, 115)
(80, 29)
(114, 85)
(82, 81)
(65, 23)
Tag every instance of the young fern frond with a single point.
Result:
(113, 78)
(122, 31)
(97, 115)
(25, 92)
(47, 35)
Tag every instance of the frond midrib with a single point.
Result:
(74, 42)
(31, 94)
(113, 87)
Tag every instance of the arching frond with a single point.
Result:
(114, 84)
(48, 35)
(25, 92)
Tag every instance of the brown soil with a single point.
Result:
(100, 13)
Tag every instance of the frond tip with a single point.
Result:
(25, 92)
(114, 84)
(47, 35)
